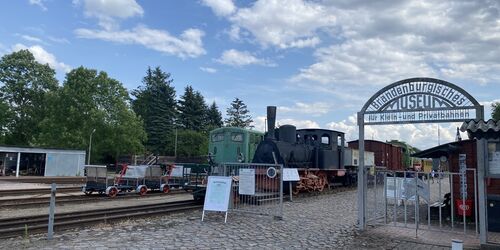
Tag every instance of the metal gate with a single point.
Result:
(444, 202)
(257, 188)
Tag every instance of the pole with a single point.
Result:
(90, 146)
(361, 173)
(52, 209)
(18, 163)
(175, 146)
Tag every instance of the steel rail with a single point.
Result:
(39, 201)
(17, 226)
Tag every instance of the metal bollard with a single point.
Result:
(457, 245)
(52, 209)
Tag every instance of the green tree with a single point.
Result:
(155, 103)
(192, 110)
(25, 86)
(214, 117)
(238, 115)
(495, 111)
(4, 120)
(192, 143)
(91, 100)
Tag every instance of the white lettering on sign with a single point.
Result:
(417, 95)
(422, 115)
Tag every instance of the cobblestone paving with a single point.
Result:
(319, 222)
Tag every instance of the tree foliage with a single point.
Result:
(155, 104)
(191, 143)
(495, 111)
(91, 100)
(238, 115)
(192, 110)
(214, 117)
(26, 85)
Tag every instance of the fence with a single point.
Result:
(257, 188)
(444, 202)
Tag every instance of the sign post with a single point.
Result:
(217, 195)
(290, 174)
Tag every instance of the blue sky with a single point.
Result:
(318, 61)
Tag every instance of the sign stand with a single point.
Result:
(290, 174)
(217, 195)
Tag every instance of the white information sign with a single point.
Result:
(494, 163)
(290, 174)
(218, 192)
(247, 181)
(177, 171)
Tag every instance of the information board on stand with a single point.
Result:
(290, 174)
(217, 195)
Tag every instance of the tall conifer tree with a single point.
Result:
(238, 115)
(155, 103)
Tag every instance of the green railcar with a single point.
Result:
(230, 144)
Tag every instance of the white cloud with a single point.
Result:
(422, 136)
(208, 70)
(31, 38)
(241, 58)
(107, 10)
(284, 23)
(314, 109)
(260, 123)
(44, 57)
(58, 39)
(220, 7)
(188, 44)
(364, 62)
(39, 3)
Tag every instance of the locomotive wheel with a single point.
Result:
(143, 190)
(113, 191)
(166, 189)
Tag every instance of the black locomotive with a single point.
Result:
(317, 153)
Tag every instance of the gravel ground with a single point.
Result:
(319, 222)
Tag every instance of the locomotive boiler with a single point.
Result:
(317, 153)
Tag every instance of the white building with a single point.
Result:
(26, 161)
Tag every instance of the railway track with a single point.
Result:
(40, 201)
(40, 191)
(18, 226)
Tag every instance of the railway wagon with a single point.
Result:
(130, 178)
(386, 155)
(230, 144)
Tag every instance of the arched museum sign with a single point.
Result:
(414, 100)
(419, 100)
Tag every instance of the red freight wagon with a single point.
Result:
(386, 154)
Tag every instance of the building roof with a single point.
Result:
(441, 150)
(481, 129)
(16, 149)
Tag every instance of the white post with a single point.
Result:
(52, 209)
(90, 146)
(18, 163)
(361, 173)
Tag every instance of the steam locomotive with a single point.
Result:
(318, 154)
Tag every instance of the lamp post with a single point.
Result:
(90, 146)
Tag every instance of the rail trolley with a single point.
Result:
(130, 178)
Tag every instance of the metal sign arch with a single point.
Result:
(420, 100)
(413, 100)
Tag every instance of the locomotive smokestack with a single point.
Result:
(271, 121)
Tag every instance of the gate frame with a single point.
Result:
(479, 114)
